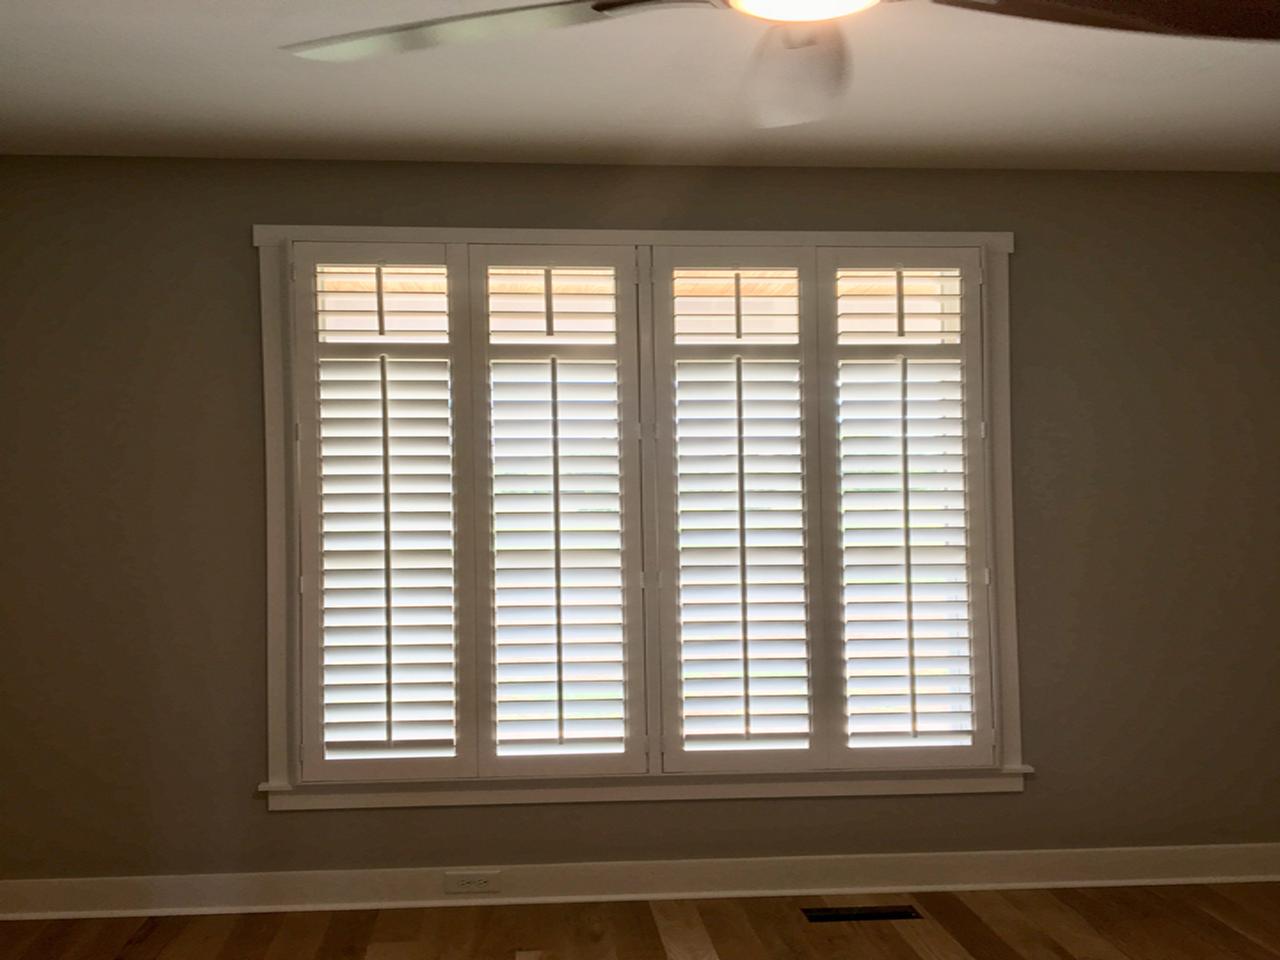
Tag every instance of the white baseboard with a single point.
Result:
(632, 880)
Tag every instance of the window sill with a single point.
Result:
(330, 796)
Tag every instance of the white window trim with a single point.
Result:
(285, 785)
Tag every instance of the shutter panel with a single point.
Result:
(741, 610)
(560, 688)
(898, 306)
(901, 434)
(360, 303)
(383, 456)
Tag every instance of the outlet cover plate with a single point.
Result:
(472, 881)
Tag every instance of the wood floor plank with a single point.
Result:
(151, 937)
(347, 935)
(1142, 928)
(1063, 924)
(587, 934)
(1261, 925)
(112, 933)
(52, 940)
(969, 929)
(547, 930)
(462, 930)
(1206, 927)
(15, 935)
(879, 940)
(515, 929)
(299, 936)
(683, 935)
(930, 939)
(1019, 931)
(403, 950)
(200, 939)
(633, 931)
(432, 924)
(251, 937)
(1262, 892)
(398, 926)
(730, 931)
(1260, 900)
(780, 926)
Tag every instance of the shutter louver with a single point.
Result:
(901, 432)
(744, 658)
(386, 501)
(559, 630)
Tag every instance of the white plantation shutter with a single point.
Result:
(565, 627)
(582, 511)
(739, 666)
(904, 455)
(378, 460)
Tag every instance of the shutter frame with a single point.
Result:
(289, 653)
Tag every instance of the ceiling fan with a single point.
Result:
(802, 66)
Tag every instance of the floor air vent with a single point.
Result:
(851, 914)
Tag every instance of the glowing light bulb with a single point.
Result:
(801, 11)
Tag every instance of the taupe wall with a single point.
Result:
(1146, 392)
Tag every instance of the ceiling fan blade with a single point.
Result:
(798, 74)
(468, 28)
(1234, 19)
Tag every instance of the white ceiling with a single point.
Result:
(933, 87)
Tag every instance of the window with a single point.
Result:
(598, 515)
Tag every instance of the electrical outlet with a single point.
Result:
(472, 881)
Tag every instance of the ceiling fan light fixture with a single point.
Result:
(801, 11)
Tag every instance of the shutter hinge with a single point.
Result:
(301, 586)
(986, 576)
(982, 429)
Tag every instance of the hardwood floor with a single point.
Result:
(1220, 922)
